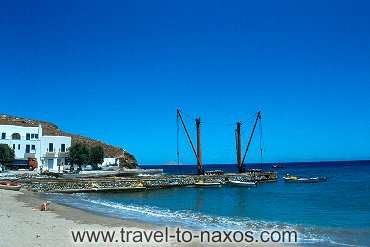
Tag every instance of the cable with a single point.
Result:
(252, 116)
(188, 116)
(219, 123)
(223, 124)
(261, 141)
(177, 139)
(216, 122)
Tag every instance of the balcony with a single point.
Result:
(62, 154)
(56, 154)
(50, 154)
(30, 155)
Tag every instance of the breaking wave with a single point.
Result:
(183, 218)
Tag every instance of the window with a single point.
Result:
(33, 147)
(36, 136)
(27, 148)
(32, 136)
(16, 136)
(19, 146)
(51, 147)
(13, 146)
(3, 135)
(28, 136)
(63, 148)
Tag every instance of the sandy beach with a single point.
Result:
(23, 224)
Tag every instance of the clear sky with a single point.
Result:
(117, 71)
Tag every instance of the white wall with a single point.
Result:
(109, 161)
(53, 161)
(41, 144)
(57, 143)
(20, 145)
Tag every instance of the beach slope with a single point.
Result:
(23, 224)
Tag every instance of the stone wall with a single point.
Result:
(135, 183)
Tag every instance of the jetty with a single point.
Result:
(119, 184)
(149, 179)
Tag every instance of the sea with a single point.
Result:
(331, 213)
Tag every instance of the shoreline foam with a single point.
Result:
(308, 235)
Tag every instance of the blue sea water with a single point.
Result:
(332, 213)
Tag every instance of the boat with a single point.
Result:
(289, 178)
(207, 184)
(308, 180)
(318, 179)
(8, 185)
(277, 166)
(297, 179)
(241, 183)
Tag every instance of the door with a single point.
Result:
(50, 164)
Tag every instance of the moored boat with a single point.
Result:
(308, 180)
(297, 179)
(289, 178)
(207, 184)
(8, 185)
(277, 166)
(241, 183)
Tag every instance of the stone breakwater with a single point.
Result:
(138, 183)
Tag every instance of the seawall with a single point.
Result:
(60, 185)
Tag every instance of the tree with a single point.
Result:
(96, 156)
(78, 154)
(7, 155)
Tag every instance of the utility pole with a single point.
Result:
(199, 147)
(239, 148)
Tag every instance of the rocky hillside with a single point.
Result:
(126, 159)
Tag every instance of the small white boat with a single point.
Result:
(296, 179)
(303, 180)
(207, 184)
(289, 178)
(240, 183)
(311, 180)
(277, 166)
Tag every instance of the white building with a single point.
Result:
(110, 162)
(29, 142)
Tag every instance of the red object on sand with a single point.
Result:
(8, 185)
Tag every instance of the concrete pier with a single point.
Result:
(59, 185)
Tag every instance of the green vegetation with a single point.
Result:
(78, 154)
(6, 155)
(83, 154)
(96, 156)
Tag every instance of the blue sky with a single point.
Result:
(117, 71)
